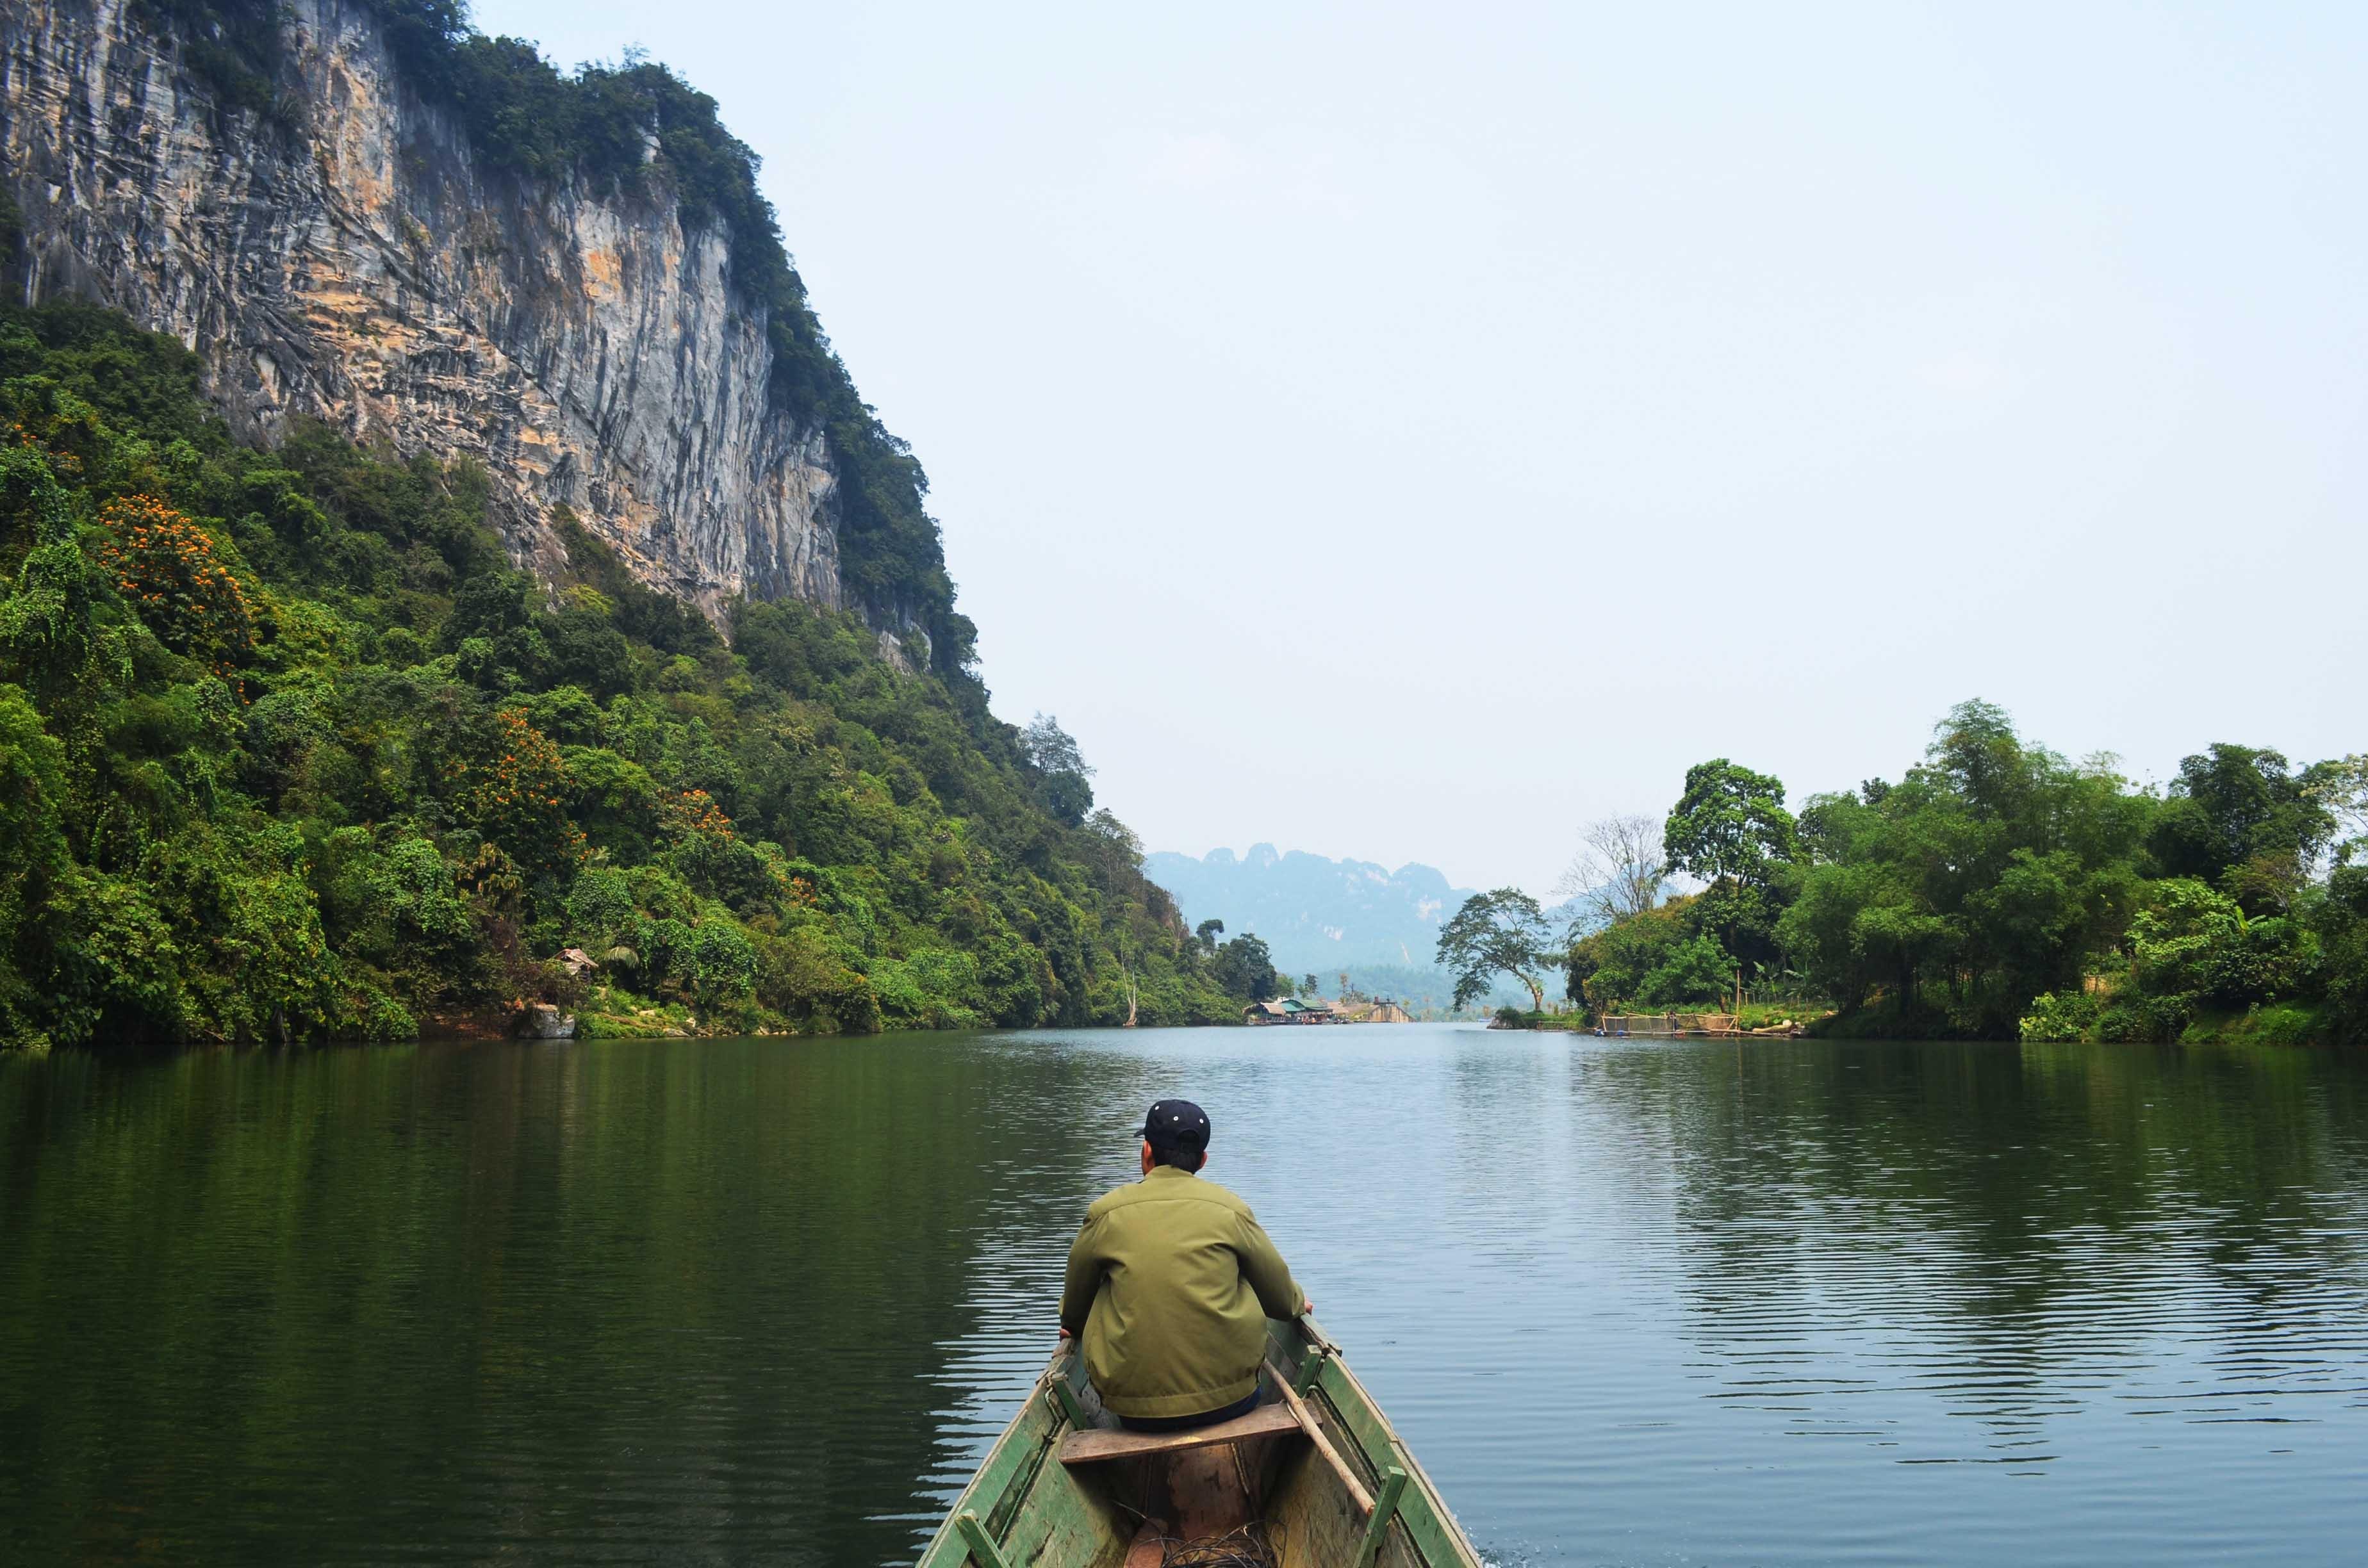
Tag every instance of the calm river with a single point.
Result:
(769, 1301)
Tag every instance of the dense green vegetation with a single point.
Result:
(525, 118)
(287, 750)
(1243, 967)
(1999, 890)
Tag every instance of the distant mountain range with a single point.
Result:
(1314, 914)
(1323, 918)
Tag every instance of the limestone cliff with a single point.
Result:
(343, 253)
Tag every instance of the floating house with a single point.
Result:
(1290, 1010)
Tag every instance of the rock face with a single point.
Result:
(354, 263)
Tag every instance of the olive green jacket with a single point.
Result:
(1170, 1284)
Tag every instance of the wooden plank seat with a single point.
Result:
(1019, 1512)
(1094, 1443)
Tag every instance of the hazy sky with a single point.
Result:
(1411, 432)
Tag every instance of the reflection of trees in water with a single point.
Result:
(2018, 1232)
(590, 1296)
(733, 1298)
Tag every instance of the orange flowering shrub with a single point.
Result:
(694, 814)
(52, 442)
(167, 567)
(519, 797)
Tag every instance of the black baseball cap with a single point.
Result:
(1176, 1124)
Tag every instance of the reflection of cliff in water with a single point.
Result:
(2023, 1233)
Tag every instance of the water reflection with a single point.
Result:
(741, 1300)
(2013, 1233)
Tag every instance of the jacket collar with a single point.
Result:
(1159, 1172)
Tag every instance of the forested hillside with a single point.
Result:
(287, 750)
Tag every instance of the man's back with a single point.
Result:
(1170, 1287)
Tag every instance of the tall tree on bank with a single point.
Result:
(1245, 968)
(1730, 828)
(1502, 932)
(1730, 822)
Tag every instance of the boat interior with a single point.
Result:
(1312, 1478)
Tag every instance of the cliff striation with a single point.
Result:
(336, 246)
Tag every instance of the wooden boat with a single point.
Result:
(1314, 1478)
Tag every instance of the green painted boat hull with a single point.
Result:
(1026, 1509)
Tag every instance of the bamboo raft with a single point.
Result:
(1314, 1478)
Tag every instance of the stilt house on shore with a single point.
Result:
(1372, 1012)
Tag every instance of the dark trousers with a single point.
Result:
(1186, 1423)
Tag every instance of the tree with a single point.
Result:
(1207, 933)
(1689, 971)
(1052, 752)
(1051, 749)
(2193, 943)
(1115, 848)
(1068, 798)
(1620, 871)
(1502, 932)
(2341, 789)
(1244, 971)
(2238, 816)
(2341, 918)
(1731, 829)
(1730, 822)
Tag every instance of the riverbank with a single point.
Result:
(2260, 1025)
(2099, 1022)
(1753, 1016)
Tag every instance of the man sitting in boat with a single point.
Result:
(1170, 1283)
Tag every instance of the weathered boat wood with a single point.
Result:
(1318, 1467)
(1096, 1444)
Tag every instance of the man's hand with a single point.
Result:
(1065, 1330)
(1306, 1309)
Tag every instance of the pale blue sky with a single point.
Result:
(1319, 398)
